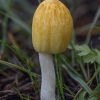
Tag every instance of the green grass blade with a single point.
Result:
(97, 27)
(82, 95)
(14, 17)
(4, 31)
(95, 74)
(19, 68)
(79, 80)
(27, 6)
(18, 21)
(59, 76)
(66, 88)
(68, 65)
(91, 27)
(17, 53)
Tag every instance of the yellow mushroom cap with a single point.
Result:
(51, 27)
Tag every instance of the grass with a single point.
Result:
(77, 69)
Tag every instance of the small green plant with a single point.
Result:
(88, 55)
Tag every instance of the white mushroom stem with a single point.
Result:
(48, 77)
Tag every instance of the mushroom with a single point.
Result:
(51, 32)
